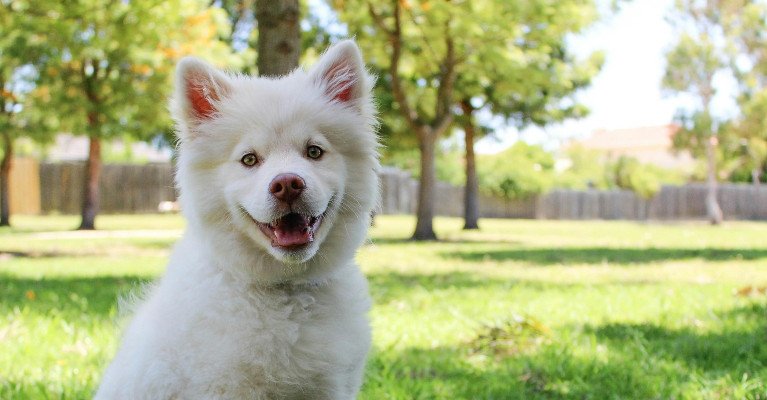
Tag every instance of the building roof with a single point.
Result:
(644, 138)
(651, 145)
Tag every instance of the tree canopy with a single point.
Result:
(435, 55)
(20, 51)
(108, 68)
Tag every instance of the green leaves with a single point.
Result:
(109, 67)
(510, 56)
(520, 172)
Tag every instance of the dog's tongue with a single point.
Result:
(292, 230)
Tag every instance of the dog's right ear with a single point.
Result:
(340, 72)
(199, 91)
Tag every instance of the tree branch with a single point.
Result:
(378, 20)
(442, 125)
(443, 115)
(411, 117)
(2, 96)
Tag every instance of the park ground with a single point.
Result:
(518, 310)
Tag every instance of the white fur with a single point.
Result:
(235, 317)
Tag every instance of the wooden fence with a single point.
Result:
(399, 195)
(123, 188)
(687, 202)
(738, 202)
(140, 188)
(24, 186)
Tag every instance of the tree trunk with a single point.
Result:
(755, 176)
(424, 229)
(91, 191)
(5, 174)
(279, 36)
(427, 132)
(712, 204)
(471, 190)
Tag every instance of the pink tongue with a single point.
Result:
(292, 230)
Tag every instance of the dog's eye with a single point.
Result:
(249, 160)
(314, 152)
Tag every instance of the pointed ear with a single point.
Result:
(340, 73)
(199, 89)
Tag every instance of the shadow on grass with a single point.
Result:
(98, 295)
(645, 361)
(102, 247)
(551, 373)
(451, 241)
(740, 348)
(6, 254)
(601, 255)
(66, 296)
(437, 373)
(159, 244)
(388, 286)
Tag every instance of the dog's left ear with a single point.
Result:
(340, 73)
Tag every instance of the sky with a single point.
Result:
(627, 92)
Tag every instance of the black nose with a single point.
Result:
(287, 187)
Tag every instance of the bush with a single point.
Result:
(520, 172)
(643, 179)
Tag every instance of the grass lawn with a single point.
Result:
(519, 310)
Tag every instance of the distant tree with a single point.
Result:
(110, 69)
(745, 27)
(749, 144)
(471, 184)
(12, 46)
(436, 57)
(280, 31)
(691, 64)
(418, 48)
(20, 50)
(521, 69)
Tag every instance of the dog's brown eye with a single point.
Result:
(313, 152)
(249, 160)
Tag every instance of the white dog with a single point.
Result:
(262, 298)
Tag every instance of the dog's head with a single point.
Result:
(287, 164)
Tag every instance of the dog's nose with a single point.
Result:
(287, 187)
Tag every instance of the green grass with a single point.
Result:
(519, 310)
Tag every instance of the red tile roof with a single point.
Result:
(632, 138)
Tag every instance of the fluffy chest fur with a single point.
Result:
(240, 341)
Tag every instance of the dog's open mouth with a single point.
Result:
(291, 231)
